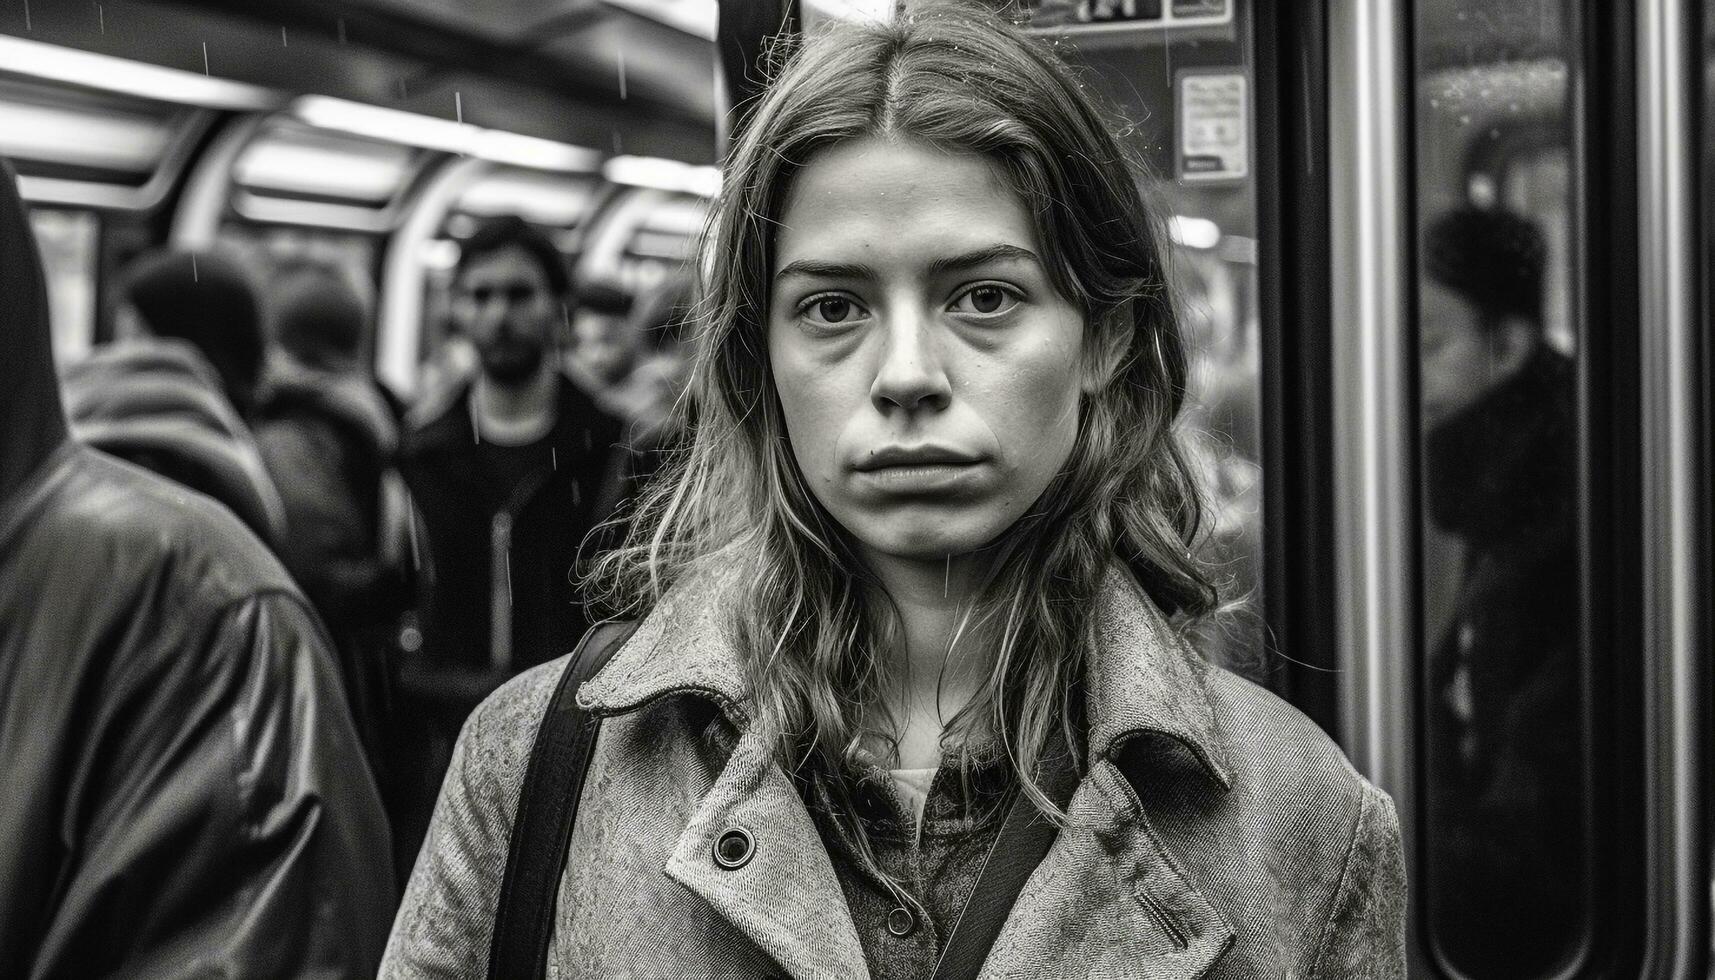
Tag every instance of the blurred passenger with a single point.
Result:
(172, 393)
(330, 441)
(657, 375)
(184, 793)
(506, 471)
(604, 346)
(1501, 474)
(205, 299)
(157, 403)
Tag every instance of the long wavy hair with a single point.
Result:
(814, 629)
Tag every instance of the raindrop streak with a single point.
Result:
(946, 576)
(458, 106)
(205, 70)
(554, 456)
(509, 576)
(622, 74)
(283, 36)
(411, 531)
(27, 25)
(194, 276)
(101, 18)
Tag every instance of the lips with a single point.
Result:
(914, 457)
(922, 473)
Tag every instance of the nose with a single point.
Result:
(911, 376)
(491, 312)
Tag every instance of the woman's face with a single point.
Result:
(928, 370)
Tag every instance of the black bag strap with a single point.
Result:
(547, 809)
(1021, 843)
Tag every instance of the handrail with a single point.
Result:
(1368, 95)
(1673, 511)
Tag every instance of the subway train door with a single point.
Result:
(1517, 457)
(1441, 263)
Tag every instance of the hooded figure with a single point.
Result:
(185, 794)
(329, 438)
(205, 299)
(157, 403)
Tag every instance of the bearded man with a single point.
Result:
(507, 470)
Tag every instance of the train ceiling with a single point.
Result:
(629, 76)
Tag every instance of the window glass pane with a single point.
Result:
(1180, 75)
(68, 240)
(1506, 884)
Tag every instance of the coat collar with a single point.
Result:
(1144, 678)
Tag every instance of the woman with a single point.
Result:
(926, 556)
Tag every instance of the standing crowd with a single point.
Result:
(227, 712)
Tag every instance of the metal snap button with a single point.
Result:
(901, 922)
(734, 847)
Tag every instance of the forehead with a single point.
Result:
(510, 264)
(898, 203)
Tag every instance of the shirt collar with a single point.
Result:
(1144, 677)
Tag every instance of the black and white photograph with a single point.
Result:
(857, 489)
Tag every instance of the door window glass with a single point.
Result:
(1505, 783)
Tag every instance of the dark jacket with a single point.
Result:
(157, 402)
(498, 575)
(183, 791)
(514, 557)
(329, 441)
(1252, 850)
(1505, 769)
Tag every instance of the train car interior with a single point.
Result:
(1443, 265)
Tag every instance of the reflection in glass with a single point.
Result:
(1506, 884)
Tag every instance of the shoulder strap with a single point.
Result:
(547, 809)
(1021, 844)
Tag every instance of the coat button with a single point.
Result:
(901, 922)
(733, 848)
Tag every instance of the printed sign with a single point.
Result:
(1075, 15)
(1214, 126)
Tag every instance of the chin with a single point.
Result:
(506, 369)
(929, 537)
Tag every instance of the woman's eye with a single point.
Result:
(985, 301)
(831, 310)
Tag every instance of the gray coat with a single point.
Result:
(1254, 851)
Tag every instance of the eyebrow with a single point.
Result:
(938, 267)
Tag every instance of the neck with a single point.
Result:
(515, 414)
(944, 660)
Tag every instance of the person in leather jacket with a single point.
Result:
(184, 791)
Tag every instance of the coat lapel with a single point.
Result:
(1108, 901)
(786, 898)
